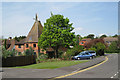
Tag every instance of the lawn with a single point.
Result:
(53, 65)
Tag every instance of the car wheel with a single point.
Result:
(91, 57)
(78, 58)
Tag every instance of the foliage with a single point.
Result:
(94, 42)
(29, 51)
(8, 53)
(19, 38)
(56, 33)
(91, 36)
(103, 36)
(5, 44)
(113, 48)
(42, 58)
(100, 47)
(92, 48)
(78, 38)
(115, 35)
(72, 52)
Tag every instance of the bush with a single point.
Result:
(100, 47)
(29, 51)
(42, 58)
(72, 52)
(92, 48)
(7, 53)
(113, 48)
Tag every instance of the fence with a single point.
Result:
(18, 61)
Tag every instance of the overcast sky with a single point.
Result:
(87, 17)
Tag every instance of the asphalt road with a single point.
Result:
(108, 69)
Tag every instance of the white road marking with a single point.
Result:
(115, 74)
(112, 77)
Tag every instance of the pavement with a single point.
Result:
(106, 70)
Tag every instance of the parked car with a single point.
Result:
(93, 53)
(83, 55)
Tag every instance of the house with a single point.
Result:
(30, 41)
(84, 41)
(109, 40)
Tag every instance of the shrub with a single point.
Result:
(7, 53)
(92, 48)
(100, 47)
(113, 48)
(42, 58)
(29, 51)
(72, 52)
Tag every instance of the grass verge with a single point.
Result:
(53, 65)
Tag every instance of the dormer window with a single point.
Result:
(81, 42)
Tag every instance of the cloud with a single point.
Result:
(77, 30)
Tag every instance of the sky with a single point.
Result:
(87, 17)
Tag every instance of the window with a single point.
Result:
(26, 45)
(34, 45)
(34, 53)
(86, 53)
(81, 42)
(19, 46)
(19, 53)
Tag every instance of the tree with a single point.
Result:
(100, 47)
(56, 33)
(91, 36)
(103, 36)
(113, 48)
(77, 37)
(115, 35)
(19, 38)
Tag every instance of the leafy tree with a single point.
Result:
(115, 35)
(103, 36)
(77, 37)
(91, 36)
(113, 48)
(56, 33)
(19, 38)
(100, 47)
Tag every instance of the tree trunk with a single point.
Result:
(56, 53)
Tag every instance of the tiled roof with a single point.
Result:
(35, 32)
(110, 39)
(21, 41)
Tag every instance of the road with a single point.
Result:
(108, 69)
